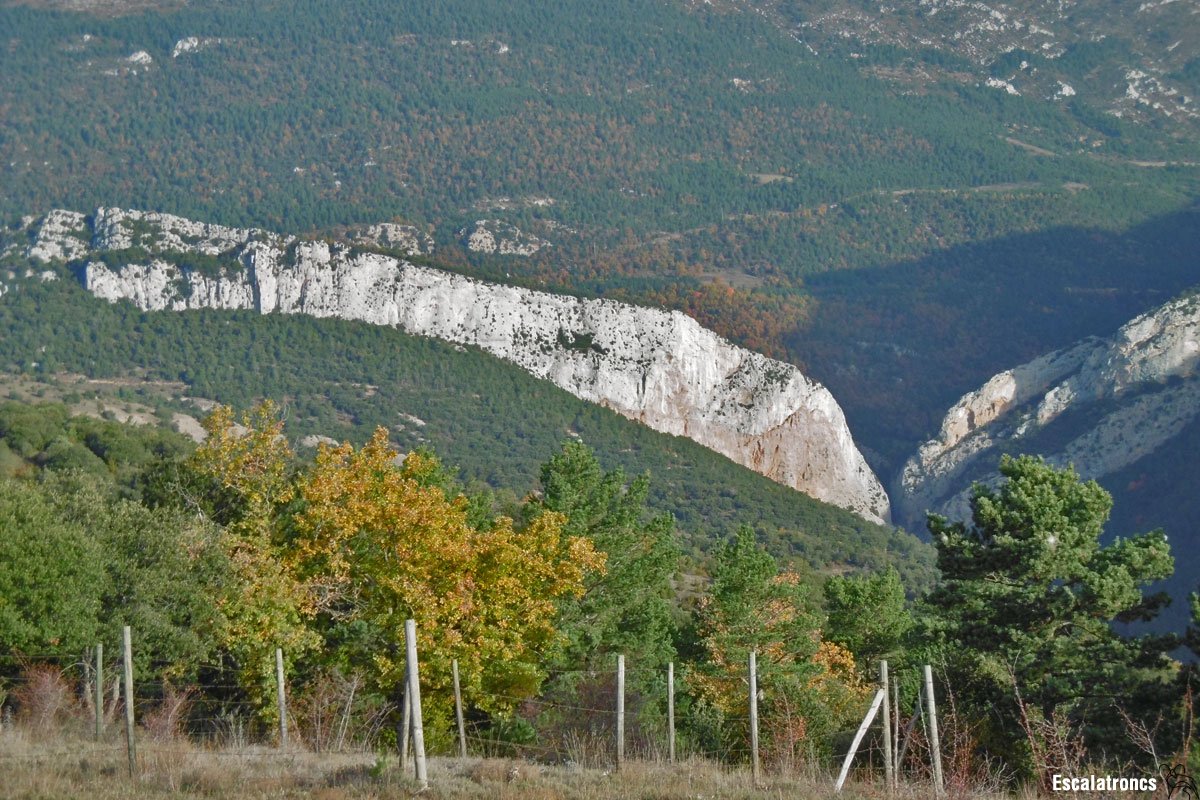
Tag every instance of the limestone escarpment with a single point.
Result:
(660, 368)
(1100, 405)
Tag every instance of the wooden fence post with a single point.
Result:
(406, 723)
(282, 697)
(620, 710)
(934, 744)
(858, 736)
(414, 685)
(127, 646)
(888, 766)
(458, 712)
(754, 768)
(671, 713)
(99, 691)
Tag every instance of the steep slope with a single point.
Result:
(688, 155)
(1103, 405)
(660, 368)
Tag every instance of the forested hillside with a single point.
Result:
(489, 419)
(1136, 62)
(697, 156)
(902, 200)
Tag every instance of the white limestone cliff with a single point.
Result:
(1144, 374)
(62, 235)
(660, 368)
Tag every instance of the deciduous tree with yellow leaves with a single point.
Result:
(377, 543)
(242, 480)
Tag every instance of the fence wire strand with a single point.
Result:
(217, 718)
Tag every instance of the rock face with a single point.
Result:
(62, 235)
(660, 368)
(1112, 401)
(495, 236)
(192, 44)
(407, 239)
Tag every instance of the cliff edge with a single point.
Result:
(658, 367)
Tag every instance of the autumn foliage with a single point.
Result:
(329, 560)
(348, 549)
(378, 545)
(811, 688)
(245, 480)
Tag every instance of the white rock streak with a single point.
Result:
(62, 236)
(660, 368)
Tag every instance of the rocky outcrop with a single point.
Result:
(408, 239)
(193, 44)
(61, 235)
(1132, 391)
(501, 238)
(660, 368)
(120, 229)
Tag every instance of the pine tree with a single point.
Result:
(628, 608)
(1029, 597)
(868, 615)
(809, 687)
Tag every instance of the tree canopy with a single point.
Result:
(629, 607)
(1025, 611)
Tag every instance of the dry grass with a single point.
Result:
(43, 768)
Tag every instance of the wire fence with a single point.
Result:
(46, 695)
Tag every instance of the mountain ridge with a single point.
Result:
(660, 368)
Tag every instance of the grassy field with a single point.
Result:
(67, 768)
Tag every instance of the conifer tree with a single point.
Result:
(1029, 597)
(627, 608)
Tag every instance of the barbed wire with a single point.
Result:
(42, 755)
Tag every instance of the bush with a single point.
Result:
(43, 697)
(165, 721)
(334, 712)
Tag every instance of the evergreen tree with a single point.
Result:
(1029, 597)
(753, 606)
(627, 608)
(868, 615)
(809, 687)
